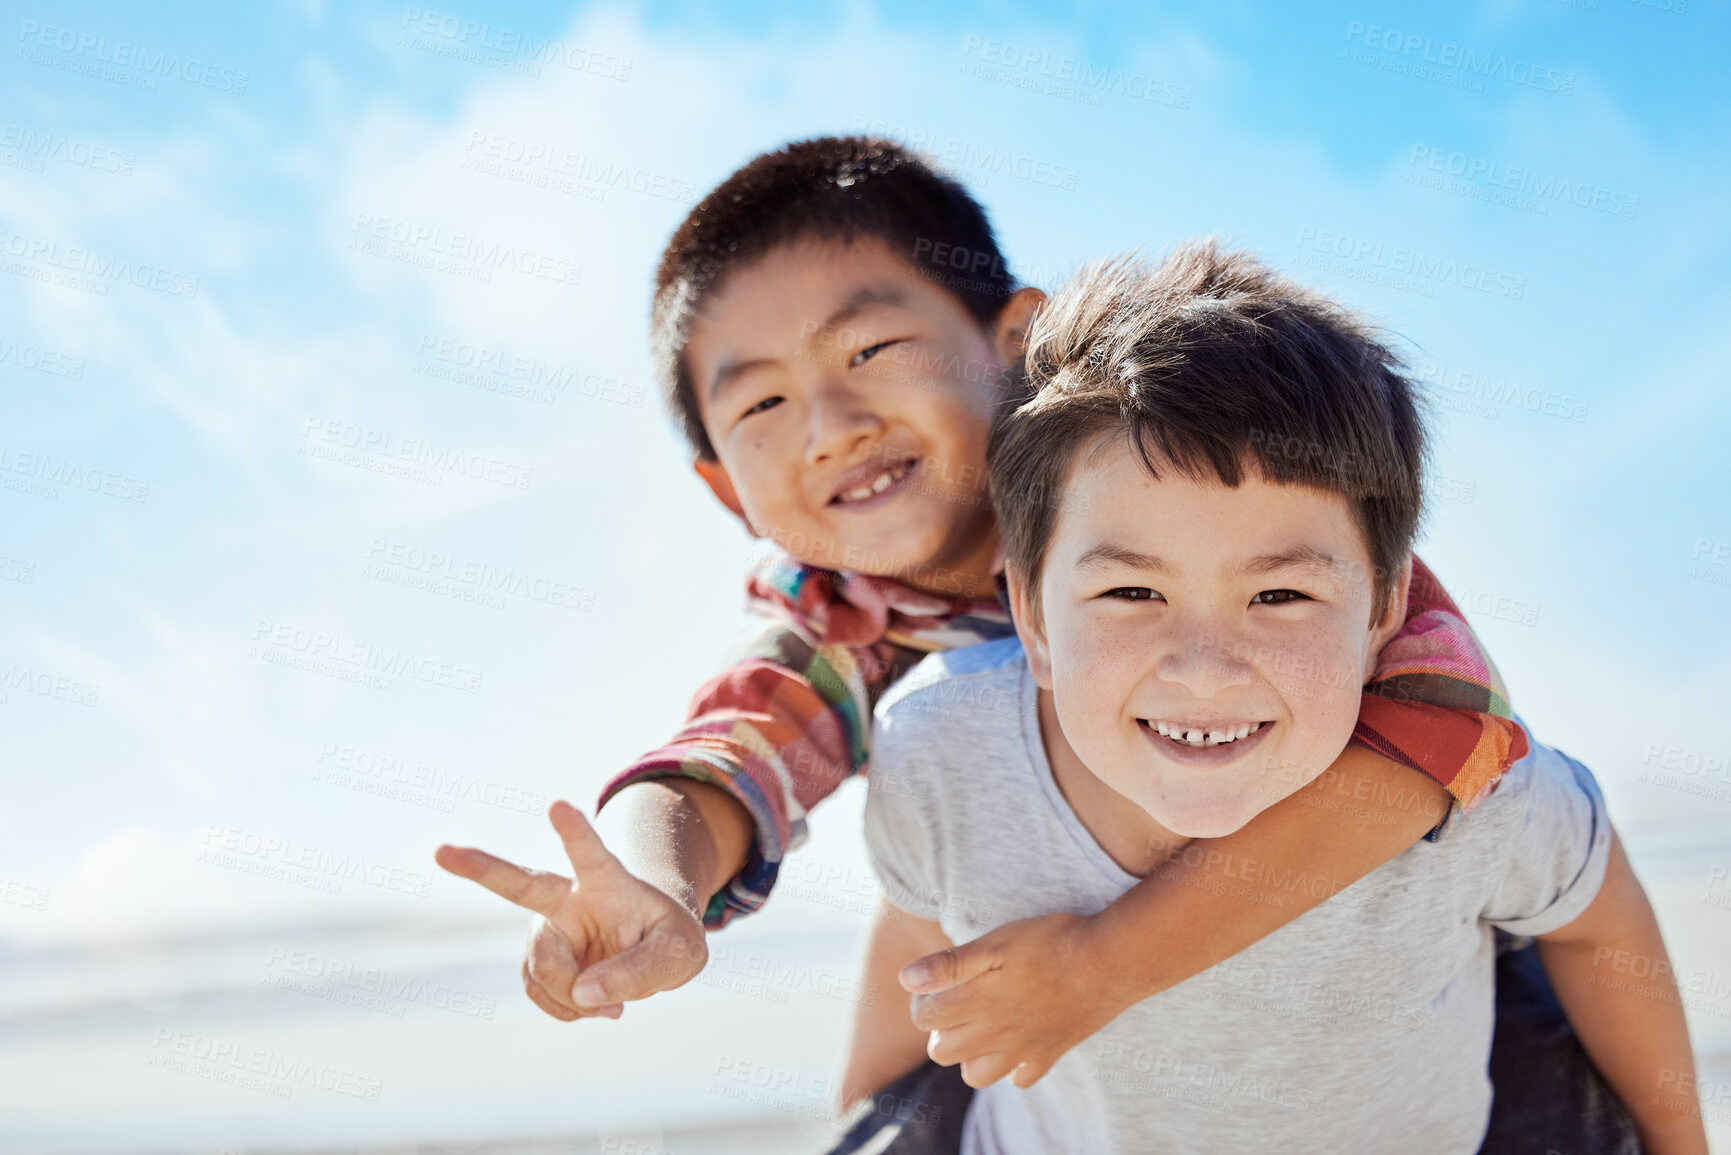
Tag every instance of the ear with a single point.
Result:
(1393, 617)
(1010, 332)
(1031, 629)
(721, 485)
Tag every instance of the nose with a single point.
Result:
(840, 421)
(1206, 660)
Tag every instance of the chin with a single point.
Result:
(1204, 818)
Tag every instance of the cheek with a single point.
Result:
(1318, 679)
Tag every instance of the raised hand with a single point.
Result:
(603, 938)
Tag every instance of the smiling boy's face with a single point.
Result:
(1205, 645)
(849, 400)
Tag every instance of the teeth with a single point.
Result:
(1201, 738)
(878, 484)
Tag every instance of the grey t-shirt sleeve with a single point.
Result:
(1559, 845)
(898, 835)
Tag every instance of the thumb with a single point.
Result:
(948, 967)
(582, 845)
(659, 962)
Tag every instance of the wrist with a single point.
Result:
(1097, 954)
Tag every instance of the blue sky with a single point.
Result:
(246, 240)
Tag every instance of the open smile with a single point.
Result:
(864, 484)
(1204, 744)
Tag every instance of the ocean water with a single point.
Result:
(413, 1035)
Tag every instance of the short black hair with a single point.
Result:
(832, 188)
(1210, 362)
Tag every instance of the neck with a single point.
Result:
(966, 568)
(1126, 832)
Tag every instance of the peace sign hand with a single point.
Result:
(601, 939)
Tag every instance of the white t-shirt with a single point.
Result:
(1364, 1024)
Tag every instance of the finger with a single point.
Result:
(582, 845)
(966, 1043)
(947, 1008)
(1031, 1072)
(658, 963)
(550, 962)
(533, 890)
(983, 1072)
(539, 995)
(952, 965)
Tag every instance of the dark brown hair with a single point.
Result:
(1210, 363)
(833, 188)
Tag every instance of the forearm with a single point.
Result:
(1632, 1027)
(684, 837)
(885, 1044)
(1214, 897)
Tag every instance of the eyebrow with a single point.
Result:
(862, 299)
(1298, 556)
(856, 303)
(1107, 554)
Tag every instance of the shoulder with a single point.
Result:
(952, 710)
(952, 675)
(1546, 789)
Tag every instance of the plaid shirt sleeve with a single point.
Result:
(779, 731)
(1436, 703)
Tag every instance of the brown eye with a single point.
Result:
(1277, 597)
(867, 354)
(762, 406)
(1131, 594)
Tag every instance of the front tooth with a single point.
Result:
(1194, 737)
(1160, 727)
(882, 483)
(1244, 731)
